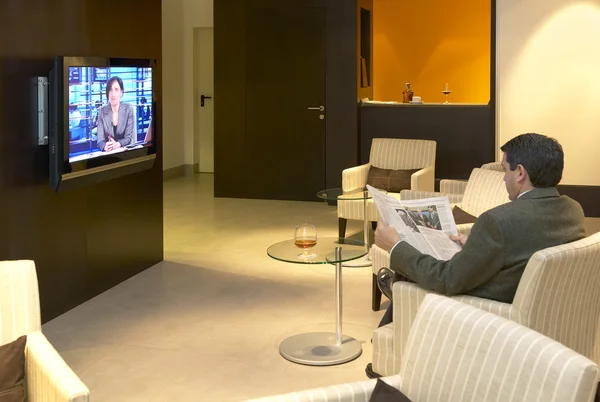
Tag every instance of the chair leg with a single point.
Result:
(375, 295)
(342, 227)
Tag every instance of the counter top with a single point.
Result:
(424, 104)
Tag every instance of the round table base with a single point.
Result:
(358, 263)
(319, 349)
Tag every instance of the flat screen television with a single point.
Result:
(102, 119)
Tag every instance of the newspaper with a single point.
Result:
(425, 224)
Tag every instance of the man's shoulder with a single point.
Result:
(530, 206)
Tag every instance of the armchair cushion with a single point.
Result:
(383, 392)
(390, 180)
(12, 370)
(461, 216)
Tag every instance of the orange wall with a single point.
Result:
(429, 43)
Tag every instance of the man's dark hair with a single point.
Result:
(110, 82)
(541, 156)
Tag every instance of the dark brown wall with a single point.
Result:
(231, 151)
(462, 132)
(86, 240)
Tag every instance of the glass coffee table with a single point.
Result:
(339, 195)
(321, 348)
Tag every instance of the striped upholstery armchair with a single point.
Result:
(387, 153)
(47, 376)
(484, 190)
(557, 296)
(456, 353)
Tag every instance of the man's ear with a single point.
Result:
(522, 173)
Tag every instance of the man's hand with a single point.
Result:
(461, 239)
(386, 236)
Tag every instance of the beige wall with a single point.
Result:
(197, 14)
(548, 78)
(172, 65)
(180, 17)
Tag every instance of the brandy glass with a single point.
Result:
(446, 91)
(305, 237)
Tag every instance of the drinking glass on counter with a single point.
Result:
(446, 91)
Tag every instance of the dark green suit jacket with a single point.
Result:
(500, 244)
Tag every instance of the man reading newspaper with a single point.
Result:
(493, 257)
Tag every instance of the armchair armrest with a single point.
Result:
(423, 179)
(453, 186)
(505, 310)
(349, 392)
(408, 297)
(355, 177)
(48, 377)
(379, 258)
(416, 195)
(464, 228)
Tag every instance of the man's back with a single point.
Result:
(537, 220)
(501, 242)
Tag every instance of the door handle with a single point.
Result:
(319, 108)
(202, 99)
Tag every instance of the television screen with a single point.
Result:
(109, 110)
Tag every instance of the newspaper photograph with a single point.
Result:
(425, 224)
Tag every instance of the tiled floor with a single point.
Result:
(205, 325)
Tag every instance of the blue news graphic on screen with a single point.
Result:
(110, 110)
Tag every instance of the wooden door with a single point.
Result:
(285, 76)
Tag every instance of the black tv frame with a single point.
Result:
(66, 175)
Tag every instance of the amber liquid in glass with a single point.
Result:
(305, 243)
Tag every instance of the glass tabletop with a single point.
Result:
(325, 251)
(340, 194)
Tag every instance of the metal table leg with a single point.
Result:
(324, 348)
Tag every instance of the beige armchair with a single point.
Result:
(387, 153)
(484, 190)
(497, 166)
(456, 353)
(47, 376)
(557, 296)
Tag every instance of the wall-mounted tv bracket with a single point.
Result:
(40, 100)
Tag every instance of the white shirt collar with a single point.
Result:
(524, 192)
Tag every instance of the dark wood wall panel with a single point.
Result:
(232, 155)
(230, 94)
(341, 112)
(85, 240)
(587, 196)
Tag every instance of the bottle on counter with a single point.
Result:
(409, 93)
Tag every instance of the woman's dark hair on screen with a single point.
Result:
(110, 83)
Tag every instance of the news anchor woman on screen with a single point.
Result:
(116, 121)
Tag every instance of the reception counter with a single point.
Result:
(464, 132)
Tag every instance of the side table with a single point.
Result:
(339, 195)
(321, 348)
